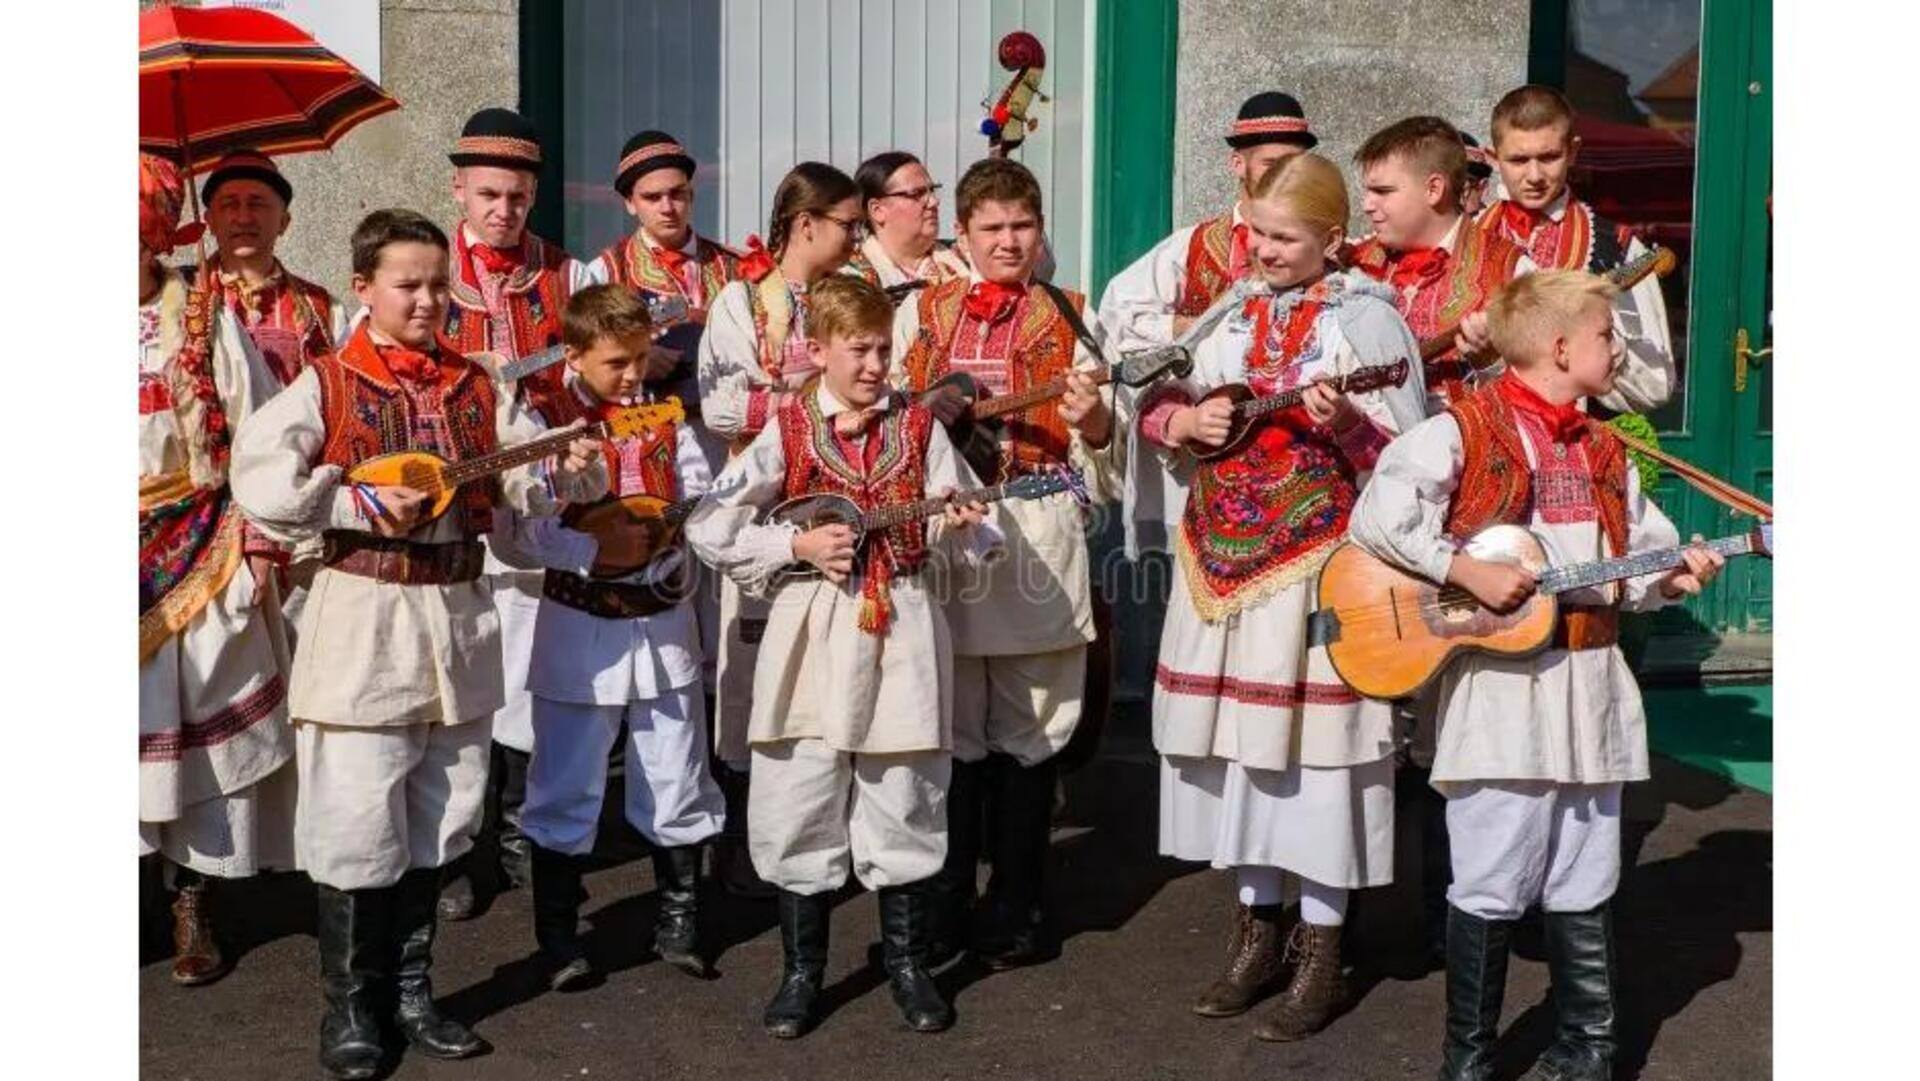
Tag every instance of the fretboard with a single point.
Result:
(1032, 396)
(1287, 399)
(902, 513)
(472, 469)
(677, 512)
(1581, 575)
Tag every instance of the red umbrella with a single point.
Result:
(219, 79)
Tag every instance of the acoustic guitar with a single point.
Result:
(813, 511)
(1655, 261)
(1389, 633)
(429, 473)
(1249, 409)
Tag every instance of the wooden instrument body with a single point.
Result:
(646, 515)
(1241, 427)
(1397, 631)
(416, 469)
(978, 439)
(811, 512)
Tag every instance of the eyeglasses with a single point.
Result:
(915, 195)
(855, 228)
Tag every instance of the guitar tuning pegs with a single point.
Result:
(1077, 486)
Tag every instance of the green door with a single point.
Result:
(1676, 100)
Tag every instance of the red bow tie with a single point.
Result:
(993, 301)
(1418, 267)
(411, 364)
(1518, 221)
(498, 260)
(671, 258)
(1565, 421)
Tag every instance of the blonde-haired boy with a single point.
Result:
(1532, 752)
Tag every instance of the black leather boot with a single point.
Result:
(516, 849)
(676, 924)
(803, 946)
(354, 930)
(557, 894)
(1476, 985)
(904, 912)
(952, 892)
(1013, 928)
(430, 1032)
(1580, 964)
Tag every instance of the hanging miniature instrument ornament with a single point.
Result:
(1007, 123)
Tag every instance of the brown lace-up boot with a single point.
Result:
(1316, 990)
(1253, 963)
(196, 956)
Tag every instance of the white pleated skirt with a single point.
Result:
(1331, 825)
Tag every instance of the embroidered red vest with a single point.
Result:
(1265, 517)
(295, 327)
(533, 296)
(1496, 484)
(368, 414)
(816, 464)
(1209, 255)
(1580, 240)
(631, 263)
(1041, 350)
(1478, 266)
(646, 463)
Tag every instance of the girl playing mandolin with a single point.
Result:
(1269, 763)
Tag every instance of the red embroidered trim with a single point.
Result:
(1209, 251)
(757, 400)
(500, 146)
(1269, 124)
(217, 729)
(1253, 692)
(651, 150)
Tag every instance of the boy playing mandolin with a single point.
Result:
(613, 647)
(1532, 751)
(400, 663)
(851, 724)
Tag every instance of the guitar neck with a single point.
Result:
(1032, 396)
(515, 370)
(1287, 399)
(1581, 575)
(1625, 276)
(678, 512)
(902, 513)
(472, 469)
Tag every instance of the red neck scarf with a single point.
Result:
(498, 260)
(993, 301)
(1518, 221)
(1418, 267)
(671, 259)
(1565, 421)
(410, 365)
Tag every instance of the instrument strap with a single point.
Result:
(1711, 486)
(1073, 319)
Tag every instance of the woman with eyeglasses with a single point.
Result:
(752, 356)
(903, 245)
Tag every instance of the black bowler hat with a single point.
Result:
(499, 137)
(1271, 117)
(245, 165)
(1479, 162)
(645, 152)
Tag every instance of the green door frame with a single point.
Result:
(1134, 92)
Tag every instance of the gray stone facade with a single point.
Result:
(443, 59)
(1355, 65)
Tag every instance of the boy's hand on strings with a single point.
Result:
(828, 547)
(1702, 566)
(1083, 409)
(399, 511)
(963, 515)
(1473, 339)
(947, 402)
(1500, 586)
(1328, 407)
(580, 456)
(1208, 423)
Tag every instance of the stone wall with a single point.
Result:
(443, 59)
(1355, 65)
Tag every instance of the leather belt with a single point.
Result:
(402, 562)
(1586, 626)
(607, 600)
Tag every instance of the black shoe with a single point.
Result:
(353, 928)
(676, 926)
(904, 912)
(1580, 964)
(803, 946)
(456, 899)
(1476, 985)
(430, 1032)
(1013, 929)
(952, 892)
(557, 894)
(515, 859)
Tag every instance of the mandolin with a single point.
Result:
(661, 312)
(1656, 261)
(1389, 633)
(429, 473)
(1250, 409)
(813, 511)
(646, 525)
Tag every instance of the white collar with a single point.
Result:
(1452, 238)
(830, 404)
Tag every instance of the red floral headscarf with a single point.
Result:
(161, 190)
